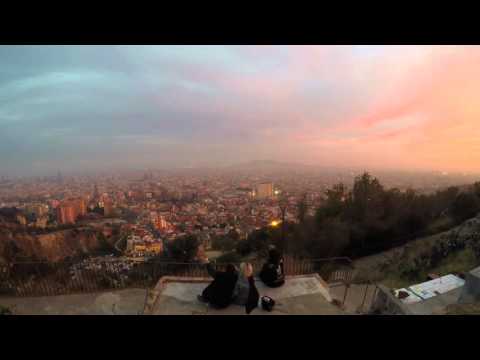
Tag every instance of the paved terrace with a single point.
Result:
(300, 295)
(119, 302)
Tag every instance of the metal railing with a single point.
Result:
(93, 275)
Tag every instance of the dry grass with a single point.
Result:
(459, 262)
(387, 267)
(440, 225)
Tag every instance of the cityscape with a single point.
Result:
(149, 209)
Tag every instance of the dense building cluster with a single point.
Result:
(157, 208)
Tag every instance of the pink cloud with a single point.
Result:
(405, 104)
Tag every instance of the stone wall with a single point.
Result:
(385, 303)
(471, 290)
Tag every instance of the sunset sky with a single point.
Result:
(111, 107)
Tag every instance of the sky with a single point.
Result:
(74, 108)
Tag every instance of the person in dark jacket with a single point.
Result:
(272, 273)
(219, 293)
(246, 293)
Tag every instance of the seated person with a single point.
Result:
(272, 273)
(219, 293)
(246, 293)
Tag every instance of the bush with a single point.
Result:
(230, 257)
(226, 242)
(243, 248)
(257, 241)
(465, 206)
(5, 311)
(409, 270)
(184, 249)
(474, 244)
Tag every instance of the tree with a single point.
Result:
(257, 241)
(331, 240)
(103, 244)
(476, 189)
(229, 257)
(184, 248)
(366, 197)
(390, 202)
(233, 236)
(302, 208)
(10, 251)
(226, 242)
(243, 248)
(335, 201)
(283, 205)
(443, 200)
(413, 223)
(300, 235)
(465, 206)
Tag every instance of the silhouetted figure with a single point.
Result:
(219, 293)
(272, 273)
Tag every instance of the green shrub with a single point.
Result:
(230, 257)
(5, 311)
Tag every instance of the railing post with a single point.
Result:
(364, 296)
(347, 285)
(374, 298)
(39, 281)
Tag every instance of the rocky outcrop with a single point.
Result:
(53, 246)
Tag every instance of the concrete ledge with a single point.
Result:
(388, 304)
(296, 287)
(117, 302)
(471, 289)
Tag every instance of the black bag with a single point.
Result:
(267, 303)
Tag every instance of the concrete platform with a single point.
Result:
(120, 302)
(300, 295)
(437, 304)
(359, 297)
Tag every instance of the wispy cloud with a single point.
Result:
(414, 105)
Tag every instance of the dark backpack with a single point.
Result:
(272, 275)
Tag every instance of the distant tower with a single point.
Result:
(107, 207)
(59, 177)
(264, 191)
(96, 194)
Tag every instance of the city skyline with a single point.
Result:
(96, 108)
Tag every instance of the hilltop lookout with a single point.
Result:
(300, 295)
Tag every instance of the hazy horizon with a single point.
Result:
(265, 167)
(94, 108)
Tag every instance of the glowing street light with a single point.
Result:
(275, 223)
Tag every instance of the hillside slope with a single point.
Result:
(380, 267)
